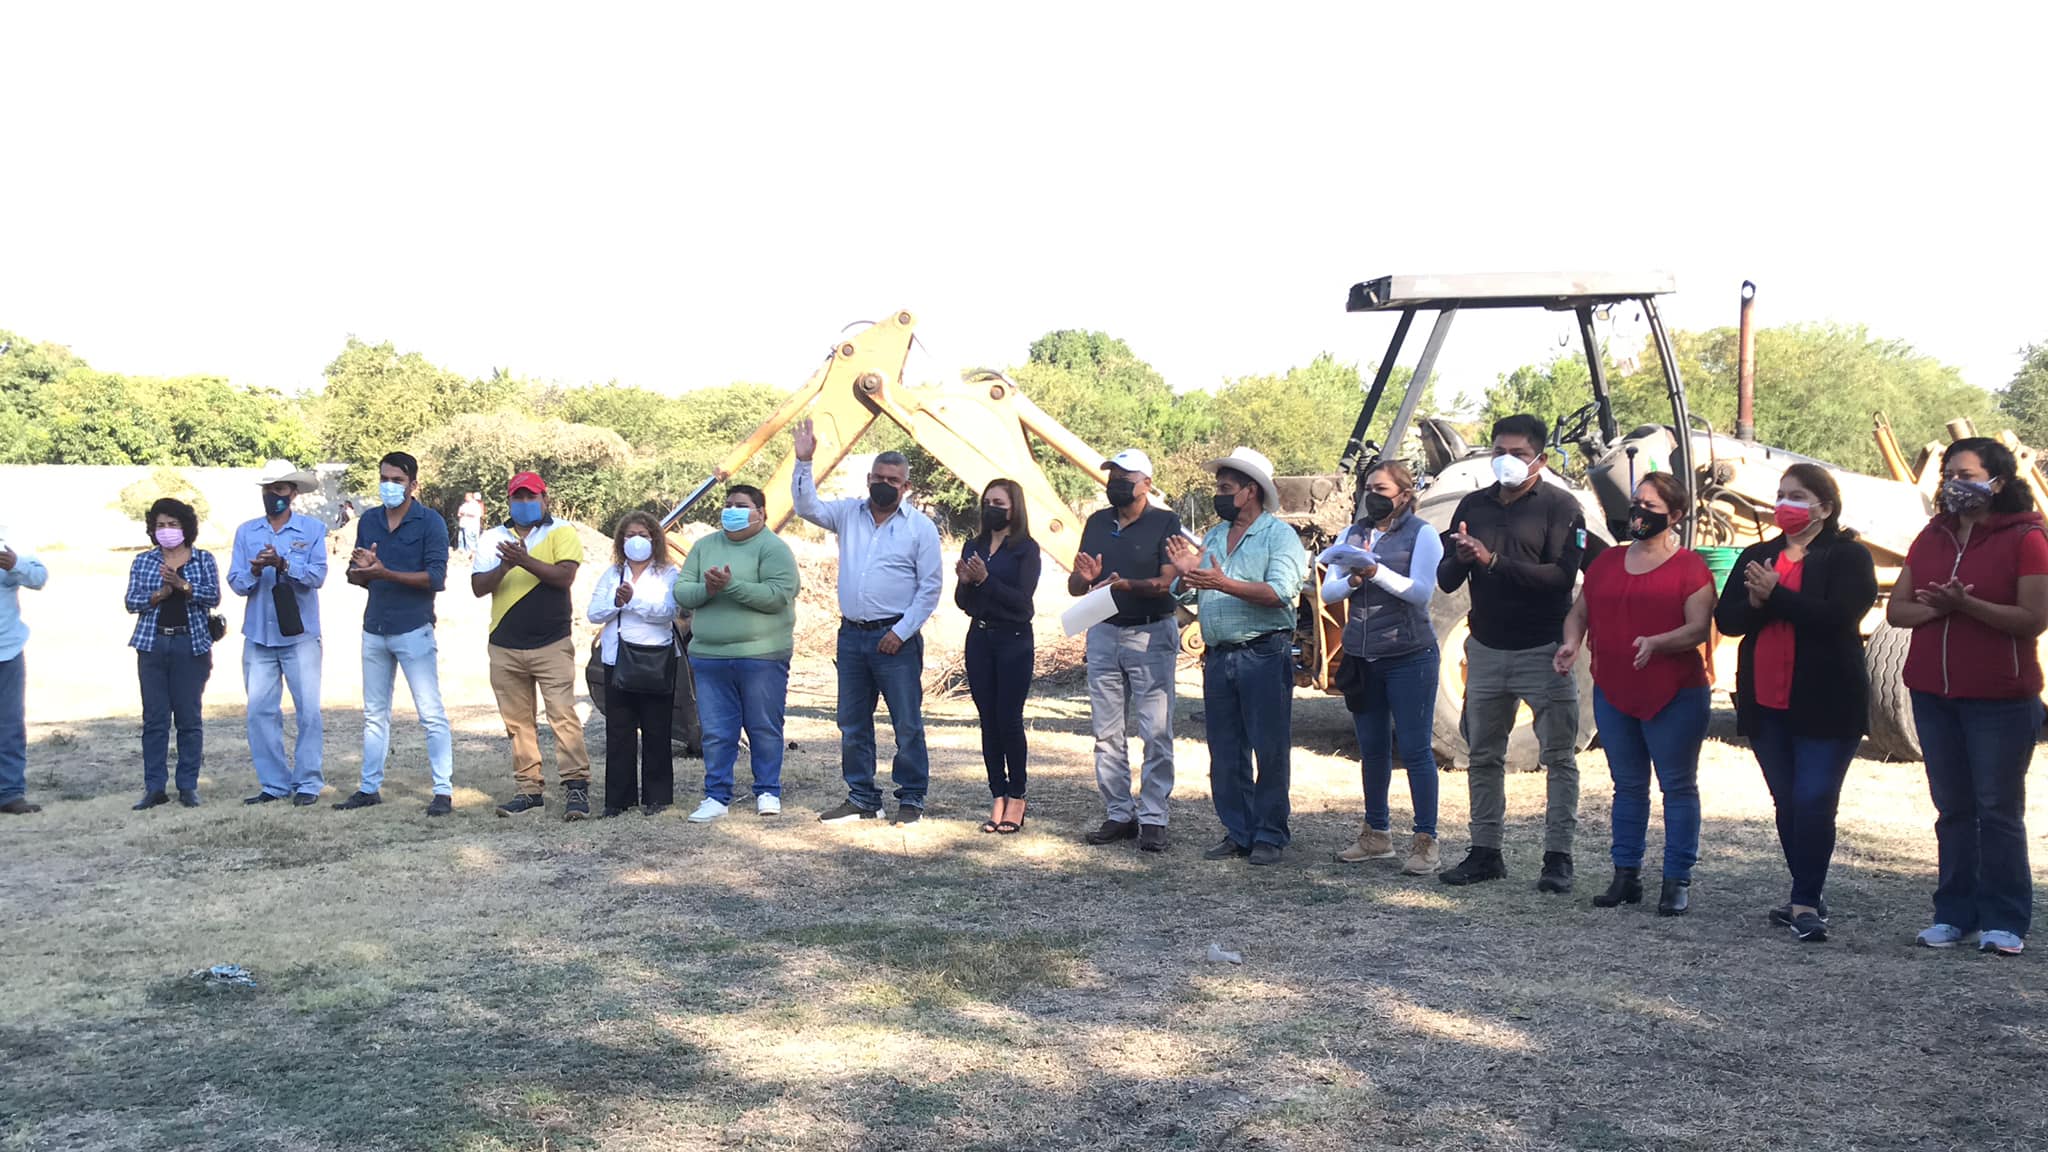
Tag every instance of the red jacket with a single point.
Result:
(1957, 656)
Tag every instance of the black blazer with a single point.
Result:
(1830, 689)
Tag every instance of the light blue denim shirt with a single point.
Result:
(303, 544)
(28, 572)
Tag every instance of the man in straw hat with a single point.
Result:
(1245, 579)
(281, 632)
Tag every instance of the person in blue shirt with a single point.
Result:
(17, 571)
(282, 547)
(401, 556)
(996, 576)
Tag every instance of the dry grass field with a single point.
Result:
(484, 984)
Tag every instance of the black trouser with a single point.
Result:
(636, 732)
(999, 665)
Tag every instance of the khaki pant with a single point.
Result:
(1497, 681)
(516, 676)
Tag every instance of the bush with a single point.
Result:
(136, 498)
(583, 466)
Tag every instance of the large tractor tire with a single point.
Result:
(1447, 617)
(1892, 732)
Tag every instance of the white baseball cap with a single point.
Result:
(1131, 460)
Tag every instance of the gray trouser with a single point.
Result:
(1133, 668)
(1496, 681)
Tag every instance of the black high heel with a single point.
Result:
(1676, 900)
(1625, 888)
(1011, 827)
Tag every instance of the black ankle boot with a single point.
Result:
(1676, 900)
(1625, 888)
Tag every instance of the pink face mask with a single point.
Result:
(170, 537)
(1793, 516)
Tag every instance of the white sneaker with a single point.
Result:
(708, 811)
(765, 805)
(1940, 936)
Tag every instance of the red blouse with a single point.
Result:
(1622, 605)
(1773, 659)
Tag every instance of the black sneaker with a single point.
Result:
(611, 813)
(1113, 831)
(188, 797)
(579, 802)
(441, 806)
(359, 800)
(305, 799)
(1226, 849)
(1479, 864)
(1781, 916)
(907, 814)
(1151, 837)
(1810, 928)
(150, 800)
(1263, 854)
(261, 798)
(523, 802)
(1557, 873)
(848, 813)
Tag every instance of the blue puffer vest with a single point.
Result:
(1382, 624)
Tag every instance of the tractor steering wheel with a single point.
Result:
(1572, 429)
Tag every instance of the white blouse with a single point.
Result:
(647, 619)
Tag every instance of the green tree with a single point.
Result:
(101, 418)
(479, 452)
(135, 499)
(1301, 420)
(377, 400)
(2024, 402)
(214, 424)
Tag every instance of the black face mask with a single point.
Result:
(1378, 507)
(275, 505)
(994, 519)
(883, 496)
(1121, 493)
(1226, 508)
(1644, 524)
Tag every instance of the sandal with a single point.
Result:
(992, 824)
(1012, 827)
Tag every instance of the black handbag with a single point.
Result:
(289, 622)
(649, 669)
(216, 626)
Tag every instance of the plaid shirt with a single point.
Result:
(146, 575)
(1269, 553)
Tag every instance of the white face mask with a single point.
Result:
(638, 548)
(1510, 471)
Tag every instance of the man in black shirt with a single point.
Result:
(1520, 543)
(1131, 655)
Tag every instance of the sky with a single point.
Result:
(686, 195)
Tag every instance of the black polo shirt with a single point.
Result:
(1134, 553)
(1539, 542)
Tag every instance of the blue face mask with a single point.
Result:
(527, 513)
(735, 519)
(392, 494)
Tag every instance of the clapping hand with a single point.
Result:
(1945, 598)
(1470, 550)
(1760, 581)
(1183, 553)
(513, 553)
(716, 579)
(1208, 577)
(804, 439)
(264, 559)
(7, 559)
(976, 570)
(364, 562)
(624, 595)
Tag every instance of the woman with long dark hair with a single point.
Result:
(995, 579)
(635, 601)
(172, 590)
(1974, 590)
(1642, 613)
(1801, 695)
(1388, 674)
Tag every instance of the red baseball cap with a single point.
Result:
(527, 481)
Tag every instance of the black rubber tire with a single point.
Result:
(1893, 735)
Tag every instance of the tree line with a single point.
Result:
(609, 447)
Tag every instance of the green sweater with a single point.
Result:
(753, 616)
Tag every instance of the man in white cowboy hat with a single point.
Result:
(286, 550)
(1245, 580)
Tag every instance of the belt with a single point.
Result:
(870, 625)
(1005, 625)
(178, 631)
(1141, 622)
(1242, 644)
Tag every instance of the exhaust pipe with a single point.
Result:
(1745, 402)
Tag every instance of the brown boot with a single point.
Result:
(1372, 845)
(1423, 856)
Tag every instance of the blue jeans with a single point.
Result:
(417, 653)
(865, 675)
(1248, 696)
(1977, 753)
(469, 539)
(13, 728)
(173, 679)
(1805, 775)
(1400, 708)
(266, 671)
(743, 694)
(1669, 741)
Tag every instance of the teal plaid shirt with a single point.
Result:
(1271, 554)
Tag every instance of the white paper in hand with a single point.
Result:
(1088, 611)
(1347, 556)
